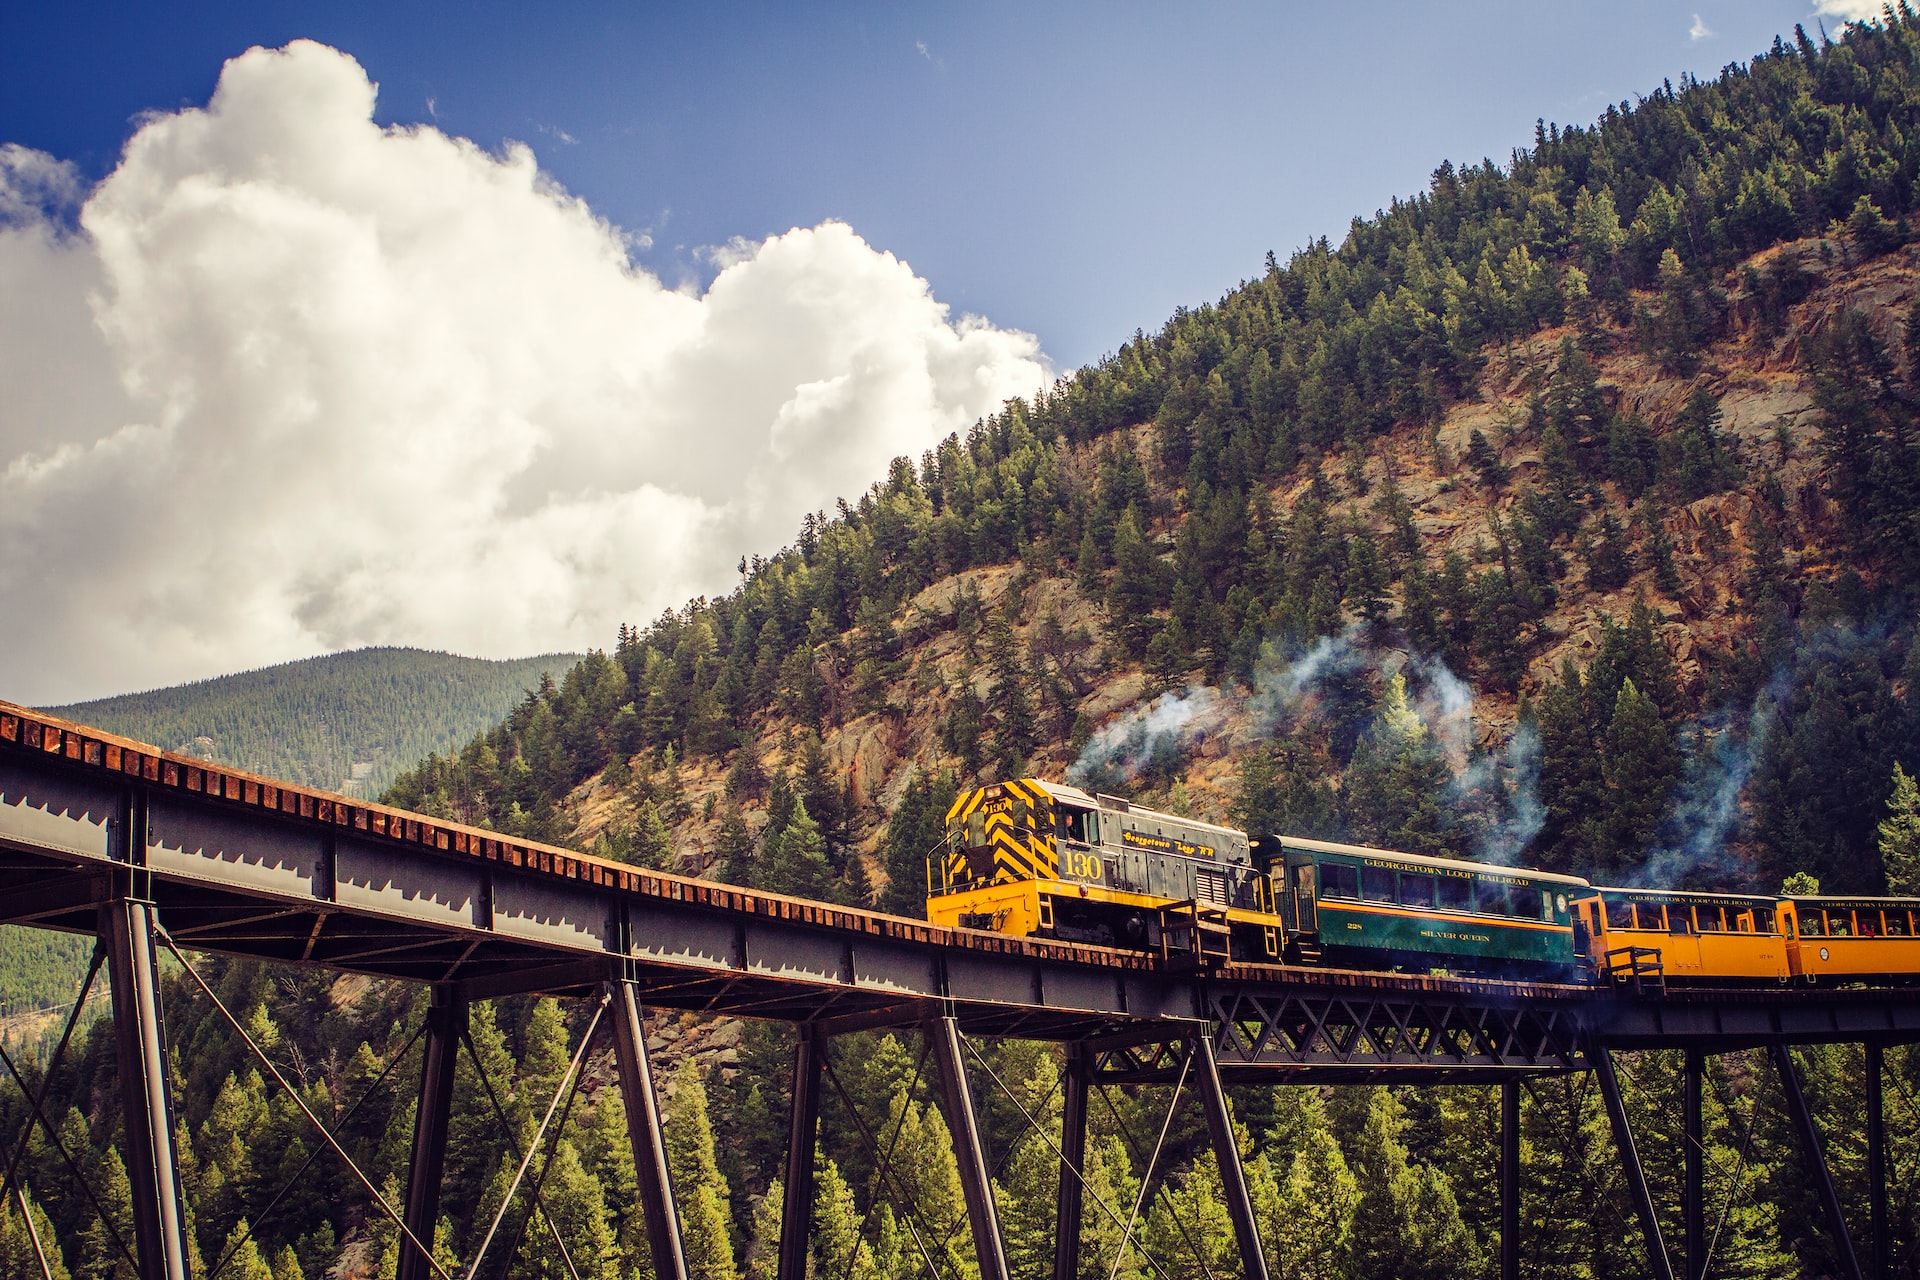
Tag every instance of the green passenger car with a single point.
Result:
(1352, 904)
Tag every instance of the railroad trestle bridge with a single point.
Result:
(152, 852)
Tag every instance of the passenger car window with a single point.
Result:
(1376, 884)
(1339, 882)
(1416, 890)
(1763, 920)
(1456, 893)
(1812, 923)
(1489, 897)
(1619, 914)
(1679, 919)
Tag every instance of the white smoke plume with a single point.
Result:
(1127, 745)
(287, 382)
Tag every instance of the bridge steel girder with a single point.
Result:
(1658, 1261)
(664, 1239)
(1693, 1197)
(1226, 1151)
(1816, 1158)
(1509, 1180)
(803, 1131)
(1877, 1162)
(963, 1123)
(426, 1166)
(153, 1160)
(1073, 1162)
(1359, 1036)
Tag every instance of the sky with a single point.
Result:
(488, 327)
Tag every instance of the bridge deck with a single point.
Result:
(250, 866)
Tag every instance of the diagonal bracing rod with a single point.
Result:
(300, 1102)
(506, 1133)
(1816, 1158)
(1076, 1168)
(1226, 1151)
(1657, 1260)
(975, 1181)
(643, 1131)
(539, 1137)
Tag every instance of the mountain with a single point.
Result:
(1563, 512)
(349, 722)
(1566, 512)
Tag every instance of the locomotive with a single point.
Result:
(1033, 857)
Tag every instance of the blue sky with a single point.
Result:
(1073, 170)
(635, 288)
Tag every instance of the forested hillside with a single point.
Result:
(347, 721)
(1566, 512)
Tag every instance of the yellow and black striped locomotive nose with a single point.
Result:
(1008, 823)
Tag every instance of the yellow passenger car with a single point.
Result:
(1840, 939)
(1695, 937)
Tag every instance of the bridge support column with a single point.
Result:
(975, 1178)
(1073, 1162)
(643, 1131)
(1658, 1263)
(1877, 1162)
(1233, 1177)
(1693, 1202)
(796, 1216)
(1816, 1158)
(153, 1165)
(446, 1021)
(1510, 1180)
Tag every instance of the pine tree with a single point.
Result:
(1640, 767)
(699, 1188)
(734, 849)
(652, 843)
(1309, 1232)
(27, 1238)
(1900, 835)
(794, 860)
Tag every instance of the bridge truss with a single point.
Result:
(149, 851)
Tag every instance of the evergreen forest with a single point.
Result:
(1565, 512)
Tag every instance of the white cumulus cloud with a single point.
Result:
(296, 382)
(1851, 10)
(1699, 30)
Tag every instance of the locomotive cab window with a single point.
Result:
(1376, 884)
(1073, 824)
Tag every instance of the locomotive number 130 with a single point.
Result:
(1082, 866)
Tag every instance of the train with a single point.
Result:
(1043, 859)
